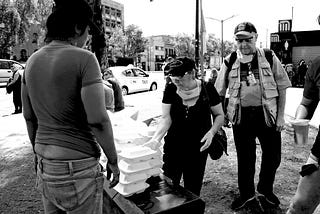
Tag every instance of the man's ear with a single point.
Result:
(78, 31)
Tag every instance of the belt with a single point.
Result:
(252, 108)
(68, 166)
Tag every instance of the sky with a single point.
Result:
(171, 17)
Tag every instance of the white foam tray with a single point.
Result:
(131, 167)
(138, 153)
(132, 188)
(127, 178)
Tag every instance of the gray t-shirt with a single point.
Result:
(54, 77)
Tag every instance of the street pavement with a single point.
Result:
(146, 105)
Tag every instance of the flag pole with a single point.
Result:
(196, 55)
(201, 42)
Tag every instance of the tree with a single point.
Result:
(27, 11)
(213, 44)
(116, 43)
(228, 48)
(184, 45)
(135, 42)
(10, 24)
(43, 8)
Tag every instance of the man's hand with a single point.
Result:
(280, 124)
(114, 170)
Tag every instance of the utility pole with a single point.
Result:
(222, 21)
(196, 49)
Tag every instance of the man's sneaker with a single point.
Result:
(239, 203)
(270, 200)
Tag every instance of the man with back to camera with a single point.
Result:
(257, 88)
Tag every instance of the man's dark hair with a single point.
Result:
(65, 16)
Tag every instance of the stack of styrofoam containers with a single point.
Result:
(136, 165)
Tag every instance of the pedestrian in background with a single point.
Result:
(14, 86)
(64, 108)
(307, 196)
(114, 84)
(257, 94)
(302, 69)
(186, 122)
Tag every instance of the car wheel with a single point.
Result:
(124, 91)
(153, 87)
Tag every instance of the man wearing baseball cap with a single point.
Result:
(257, 91)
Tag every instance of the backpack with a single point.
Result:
(267, 52)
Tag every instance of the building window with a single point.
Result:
(119, 13)
(108, 10)
(108, 23)
(113, 24)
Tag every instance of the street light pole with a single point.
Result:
(222, 46)
(196, 49)
(222, 21)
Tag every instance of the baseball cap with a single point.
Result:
(179, 66)
(244, 29)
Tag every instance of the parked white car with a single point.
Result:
(133, 79)
(5, 69)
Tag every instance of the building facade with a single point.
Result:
(158, 49)
(293, 46)
(112, 15)
(23, 51)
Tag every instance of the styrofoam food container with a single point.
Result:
(132, 188)
(138, 153)
(127, 178)
(300, 122)
(129, 167)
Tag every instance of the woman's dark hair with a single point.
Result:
(65, 16)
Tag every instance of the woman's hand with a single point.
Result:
(207, 139)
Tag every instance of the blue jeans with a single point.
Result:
(73, 187)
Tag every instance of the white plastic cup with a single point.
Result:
(301, 131)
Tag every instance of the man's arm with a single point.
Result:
(162, 128)
(306, 108)
(220, 83)
(280, 109)
(99, 121)
(29, 115)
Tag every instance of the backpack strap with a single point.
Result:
(269, 56)
(232, 59)
(229, 64)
